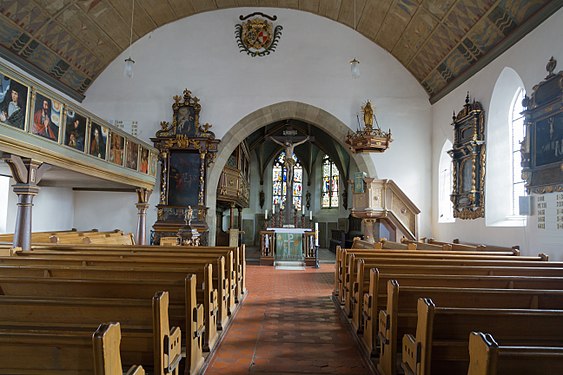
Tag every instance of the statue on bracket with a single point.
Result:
(186, 149)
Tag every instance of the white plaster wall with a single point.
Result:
(106, 211)
(310, 65)
(52, 210)
(528, 58)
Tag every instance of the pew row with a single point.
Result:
(343, 259)
(400, 315)
(146, 334)
(376, 299)
(218, 290)
(183, 308)
(235, 270)
(470, 265)
(440, 345)
(487, 357)
(54, 352)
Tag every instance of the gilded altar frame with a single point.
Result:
(468, 161)
(186, 149)
(542, 148)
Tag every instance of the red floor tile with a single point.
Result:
(288, 324)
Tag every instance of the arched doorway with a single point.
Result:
(268, 115)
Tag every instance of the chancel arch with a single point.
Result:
(334, 131)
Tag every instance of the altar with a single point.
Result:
(288, 245)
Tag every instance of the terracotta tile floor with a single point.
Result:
(288, 324)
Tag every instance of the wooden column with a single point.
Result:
(142, 205)
(232, 216)
(27, 173)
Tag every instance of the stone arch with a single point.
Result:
(267, 115)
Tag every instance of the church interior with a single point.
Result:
(237, 187)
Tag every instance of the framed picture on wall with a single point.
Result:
(144, 162)
(75, 129)
(13, 102)
(46, 120)
(116, 148)
(131, 155)
(98, 140)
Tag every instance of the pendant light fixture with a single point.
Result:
(129, 62)
(354, 63)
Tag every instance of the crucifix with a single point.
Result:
(289, 141)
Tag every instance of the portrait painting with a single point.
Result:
(46, 117)
(186, 121)
(13, 102)
(183, 179)
(98, 140)
(144, 162)
(75, 130)
(132, 155)
(116, 148)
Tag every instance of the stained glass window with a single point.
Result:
(279, 182)
(331, 177)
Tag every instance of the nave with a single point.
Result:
(288, 324)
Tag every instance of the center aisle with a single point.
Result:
(288, 324)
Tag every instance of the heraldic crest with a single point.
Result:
(257, 36)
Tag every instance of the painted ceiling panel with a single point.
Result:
(398, 18)
(414, 36)
(373, 16)
(438, 41)
(330, 8)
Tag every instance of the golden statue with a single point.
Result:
(368, 116)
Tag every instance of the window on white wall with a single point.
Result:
(517, 136)
(445, 205)
(505, 131)
(4, 191)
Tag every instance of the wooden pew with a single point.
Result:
(354, 291)
(487, 357)
(190, 263)
(146, 333)
(343, 259)
(205, 294)
(400, 315)
(183, 309)
(440, 345)
(54, 352)
(376, 299)
(235, 269)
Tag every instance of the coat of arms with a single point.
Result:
(257, 36)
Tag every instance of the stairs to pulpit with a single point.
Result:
(291, 265)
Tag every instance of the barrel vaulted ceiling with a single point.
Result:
(68, 43)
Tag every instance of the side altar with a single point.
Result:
(186, 148)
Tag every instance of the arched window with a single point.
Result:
(505, 131)
(445, 205)
(331, 178)
(517, 136)
(279, 182)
